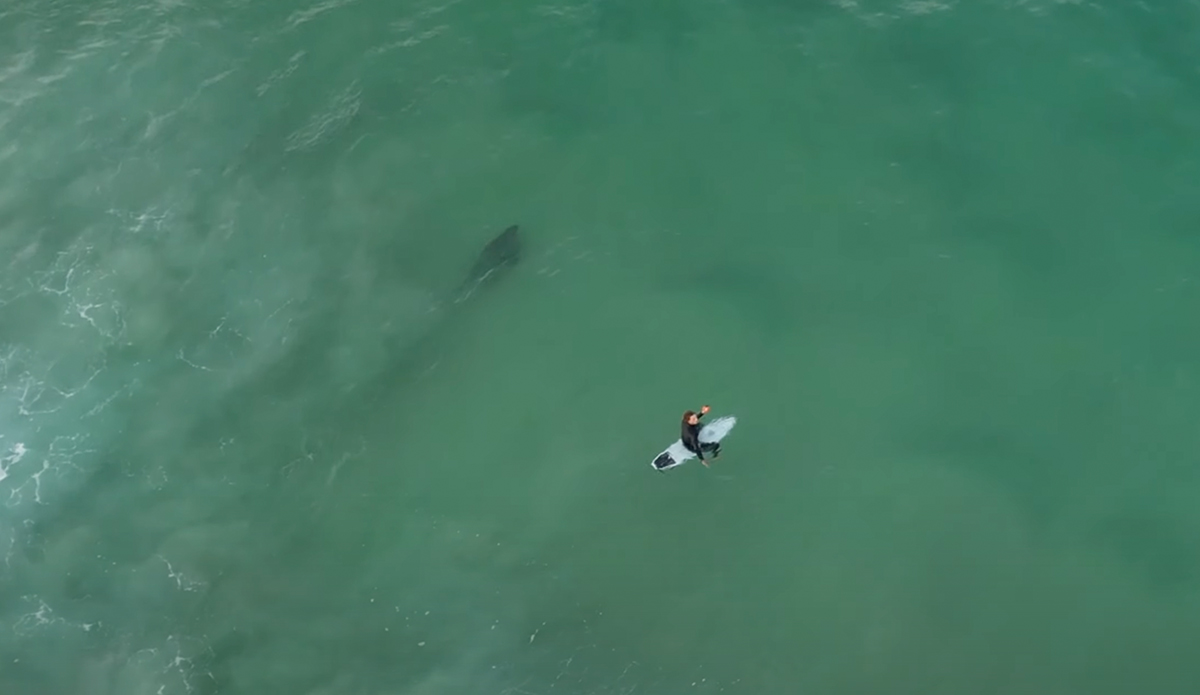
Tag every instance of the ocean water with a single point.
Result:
(942, 260)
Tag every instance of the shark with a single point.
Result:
(500, 255)
(497, 259)
(294, 370)
(301, 371)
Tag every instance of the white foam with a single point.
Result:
(302, 16)
(41, 617)
(182, 582)
(15, 453)
(169, 667)
(281, 74)
(343, 108)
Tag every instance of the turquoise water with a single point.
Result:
(940, 259)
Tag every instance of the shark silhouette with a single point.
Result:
(294, 370)
(500, 254)
(300, 367)
(495, 260)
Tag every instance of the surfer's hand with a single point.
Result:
(704, 462)
(704, 409)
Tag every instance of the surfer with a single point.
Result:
(690, 436)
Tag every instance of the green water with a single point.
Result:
(940, 258)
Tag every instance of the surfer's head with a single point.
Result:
(690, 417)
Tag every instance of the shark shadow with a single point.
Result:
(304, 370)
(501, 254)
(495, 261)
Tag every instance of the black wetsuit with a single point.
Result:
(690, 435)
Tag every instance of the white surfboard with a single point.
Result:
(677, 454)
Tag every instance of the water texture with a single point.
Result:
(940, 259)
